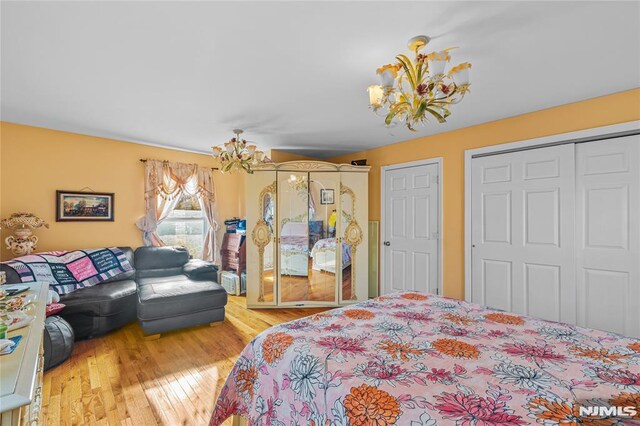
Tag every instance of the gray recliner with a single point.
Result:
(175, 292)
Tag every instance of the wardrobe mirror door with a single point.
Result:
(268, 265)
(353, 215)
(260, 241)
(346, 217)
(293, 210)
(324, 190)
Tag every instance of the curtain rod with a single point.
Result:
(144, 160)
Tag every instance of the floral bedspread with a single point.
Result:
(294, 244)
(415, 359)
(329, 245)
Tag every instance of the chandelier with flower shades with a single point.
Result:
(238, 154)
(412, 91)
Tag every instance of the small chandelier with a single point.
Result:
(238, 154)
(298, 182)
(413, 91)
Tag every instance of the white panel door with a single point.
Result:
(522, 232)
(608, 234)
(411, 240)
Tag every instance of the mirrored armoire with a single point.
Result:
(307, 234)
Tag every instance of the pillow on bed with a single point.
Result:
(295, 229)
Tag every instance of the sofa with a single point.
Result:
(94, 311)
(169, 291)
(175, 292)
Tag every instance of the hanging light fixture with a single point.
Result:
(412, 91)
(238, 154)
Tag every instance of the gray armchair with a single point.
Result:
(175, 292)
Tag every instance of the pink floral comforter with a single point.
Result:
(414, 359)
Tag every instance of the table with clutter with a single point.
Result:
(21, 353)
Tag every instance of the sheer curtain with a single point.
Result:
(164, 184)
(207, 201)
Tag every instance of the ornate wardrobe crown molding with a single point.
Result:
(315, 166)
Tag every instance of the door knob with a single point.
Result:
(387, 243)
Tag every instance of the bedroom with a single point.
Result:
(474, 261)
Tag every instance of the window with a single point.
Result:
(185, 226)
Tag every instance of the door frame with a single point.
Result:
(587, 135)
(439, 161)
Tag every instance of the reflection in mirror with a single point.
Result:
(268, 280)
(323, 255)
(293, 195)
(345, 218)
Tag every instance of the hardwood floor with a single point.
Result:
(318, 286)
(121, 378)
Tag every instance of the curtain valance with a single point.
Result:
(169, 180)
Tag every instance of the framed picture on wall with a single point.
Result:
(326, 196)
(77, 206)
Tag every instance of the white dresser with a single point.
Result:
(21, 371)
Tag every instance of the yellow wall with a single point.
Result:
(35, 162)
(617, 108)
(278, 156)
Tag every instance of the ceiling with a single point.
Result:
(294, 74)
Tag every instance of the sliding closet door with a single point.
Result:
(608, 226)
(523, 232)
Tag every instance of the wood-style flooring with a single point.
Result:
(121, 378)
(318, 286)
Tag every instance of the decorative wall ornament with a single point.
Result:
(22, 242)
(412, 91)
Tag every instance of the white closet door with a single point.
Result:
(608, 240)
(523, 209)
(411, 245)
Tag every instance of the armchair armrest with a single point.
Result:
(197, 269)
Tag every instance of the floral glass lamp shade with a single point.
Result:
(375, 95)
(22, 241)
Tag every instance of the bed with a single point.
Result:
(324, 255)
(416, 359)
(294, 249)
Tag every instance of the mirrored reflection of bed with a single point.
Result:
(307, 246)
(294, 249)
(324, 255)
